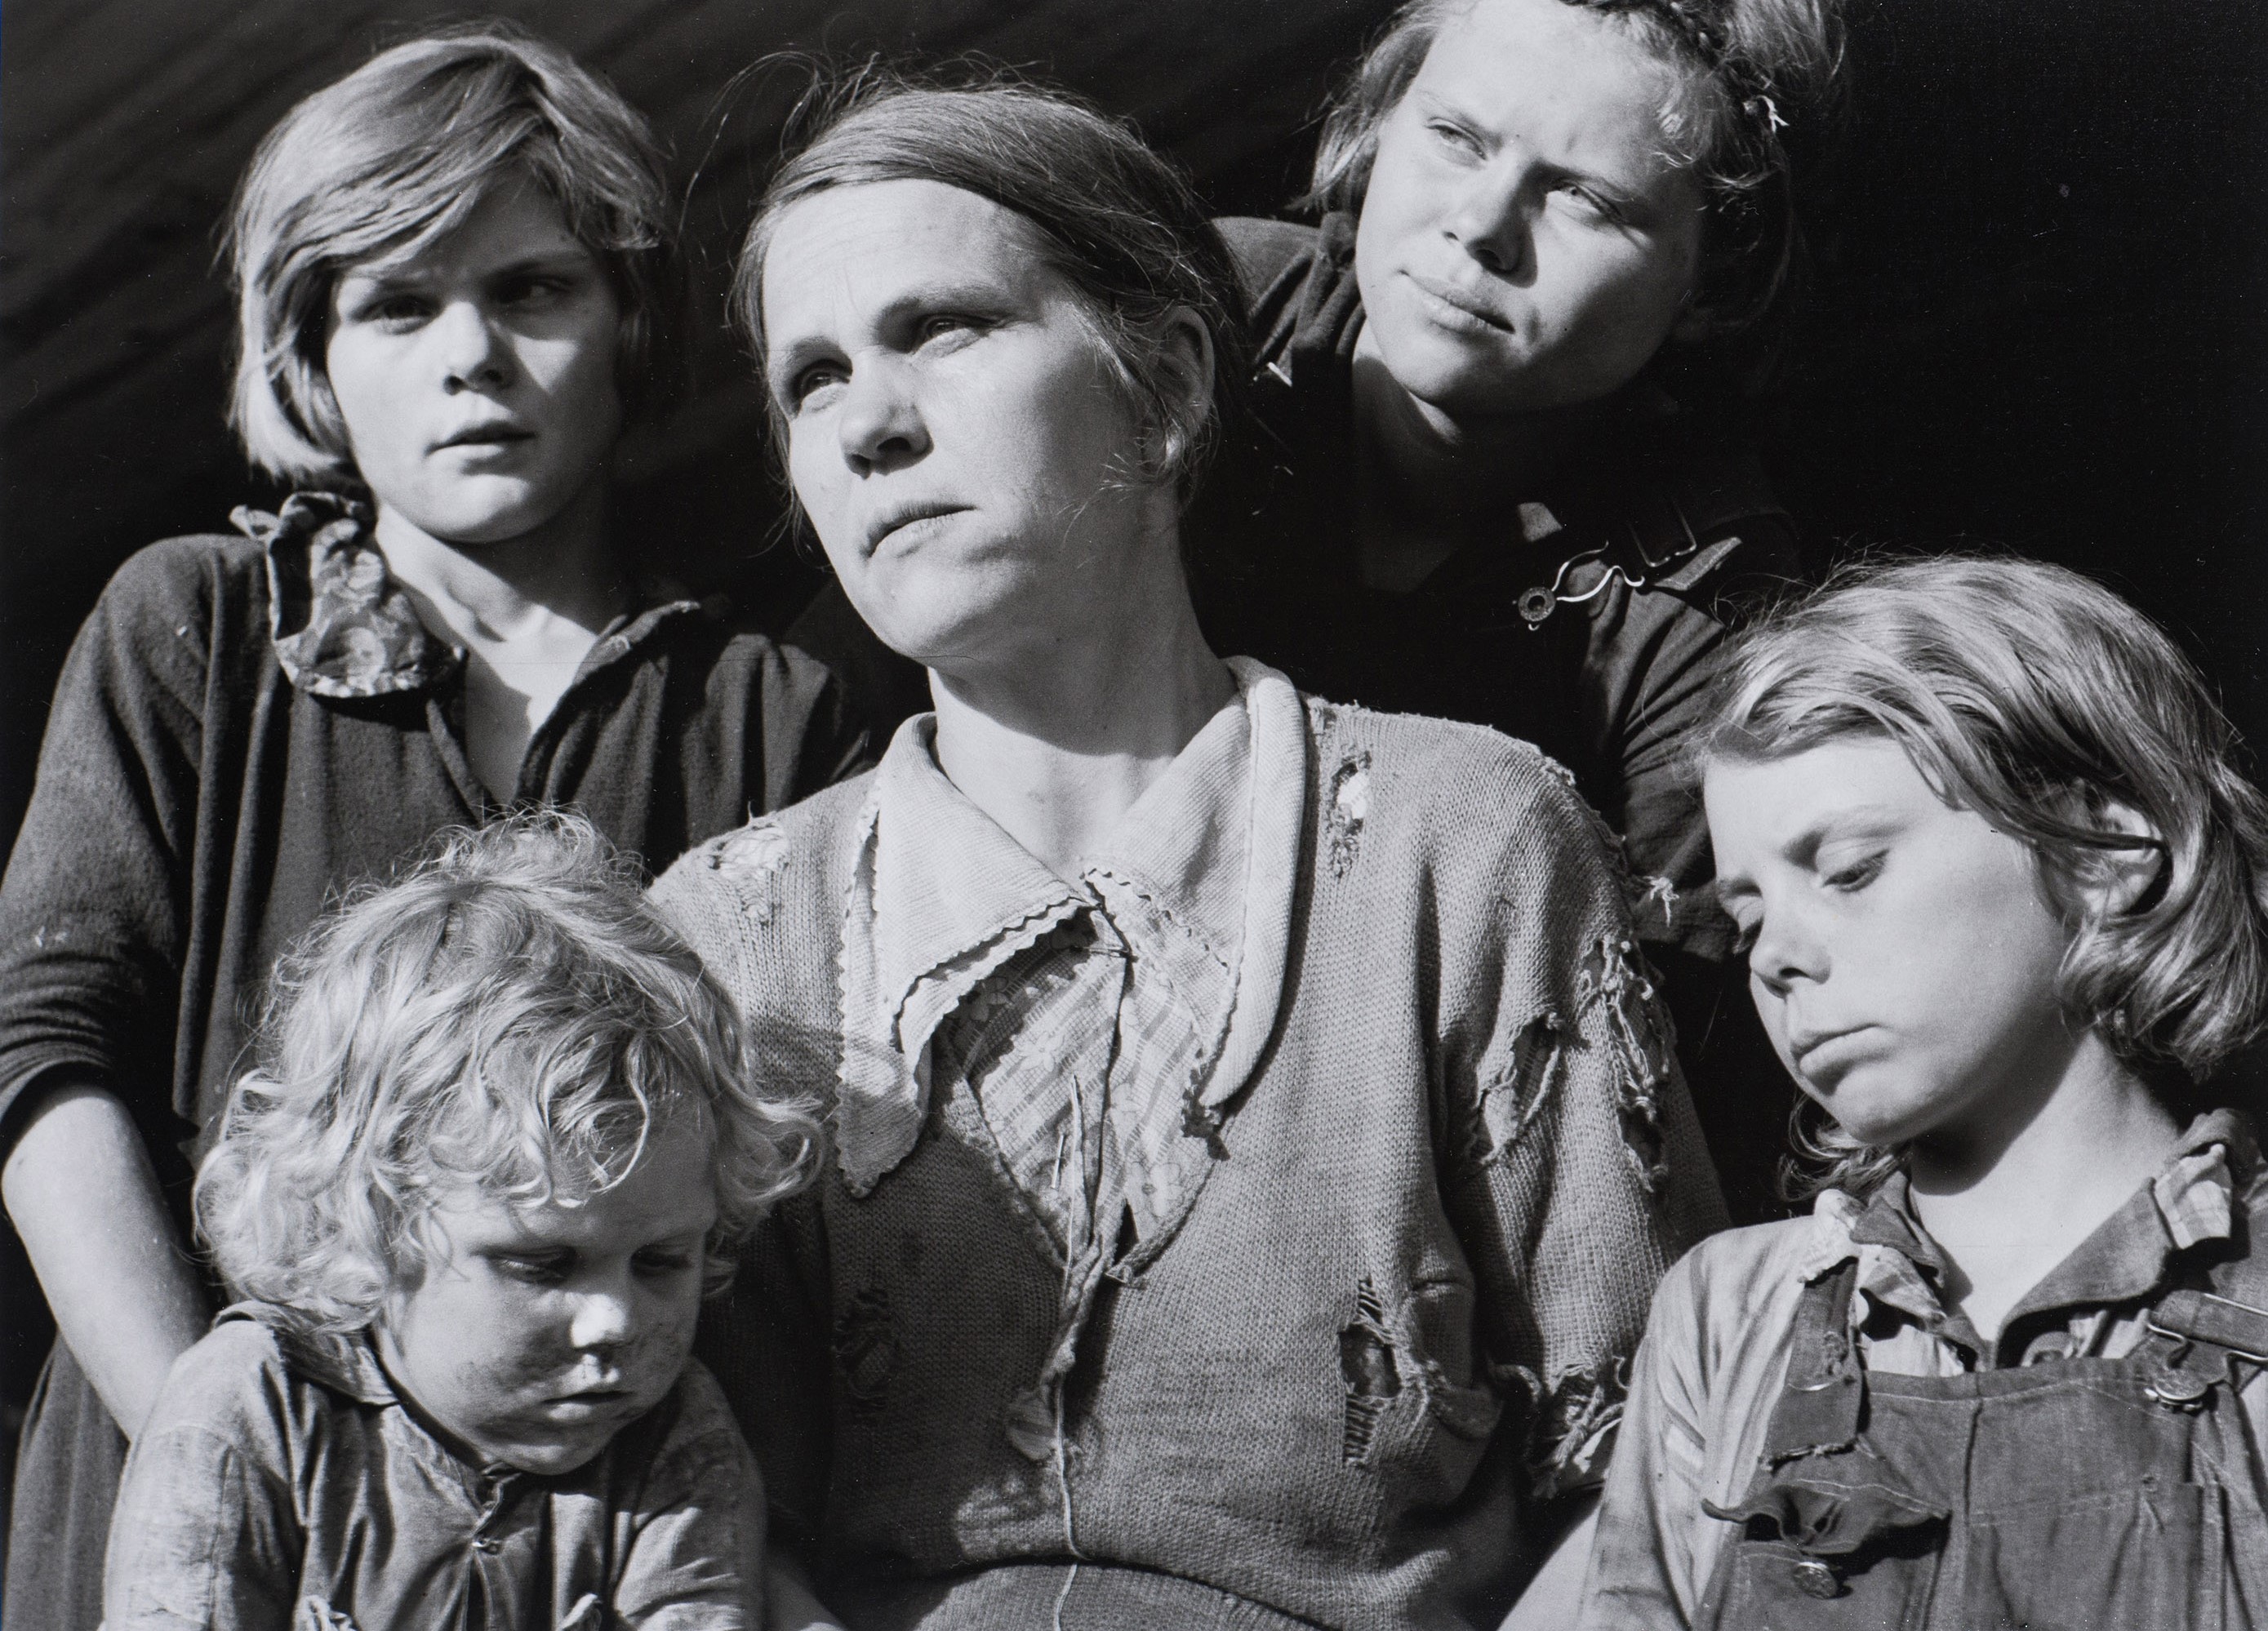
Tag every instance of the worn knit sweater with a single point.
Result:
(1390, 1329)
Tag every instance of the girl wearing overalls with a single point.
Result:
(2004, 900)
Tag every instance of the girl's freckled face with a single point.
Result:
(1902, 953)
(1526, 241)
(536, 1333)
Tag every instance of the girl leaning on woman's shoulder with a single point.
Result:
(2005, 896)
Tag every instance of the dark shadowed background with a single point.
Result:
(2039, 317)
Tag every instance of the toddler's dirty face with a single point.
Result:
(1903, 953)
(1526, 241)
(536, 1333)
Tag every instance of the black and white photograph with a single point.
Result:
(923, 815)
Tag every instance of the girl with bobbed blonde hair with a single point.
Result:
(457, 275)
(2003, 890)
(355, 170)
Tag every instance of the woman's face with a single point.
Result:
(954, 432)
(1525, 243)
(476, 374)
(1903, 953)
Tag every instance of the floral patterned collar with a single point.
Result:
(343, 627)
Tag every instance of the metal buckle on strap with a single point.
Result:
(2238, 1328)
(1539, 603)
(1654, 559)
(2178, 1390)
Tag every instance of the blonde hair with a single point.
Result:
(2037, 698)
(1762, 82)
(399, 153)
(510, 1016)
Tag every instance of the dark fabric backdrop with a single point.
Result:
(2037, 317)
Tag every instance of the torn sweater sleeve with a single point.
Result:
(1576, 1173)
(769, 1342)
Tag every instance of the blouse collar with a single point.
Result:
(1198, 879)
(343, 627)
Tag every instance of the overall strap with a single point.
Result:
(2215, 1326)
(2211, 1332)
(2237, 1327)
(1860, 1504)
(1825, 1392)
(2201, 1340)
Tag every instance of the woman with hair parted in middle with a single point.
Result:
(1501, 465)
(1256, 1140)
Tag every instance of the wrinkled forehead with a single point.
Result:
(849, 254)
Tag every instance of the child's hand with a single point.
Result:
(789, 1602)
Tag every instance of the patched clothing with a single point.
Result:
(1429, 1149)
(282, 1485)
(1809, 1423)
(246, 726)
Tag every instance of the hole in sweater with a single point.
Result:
(1571, 1425)
(1615, 981)
(1519, 1095)
(865, 1351)
(755, 854)
(1366, 1362)
(1349, 808)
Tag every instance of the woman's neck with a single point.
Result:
(2009, 1197)
(1057, 740)
(527, 610)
